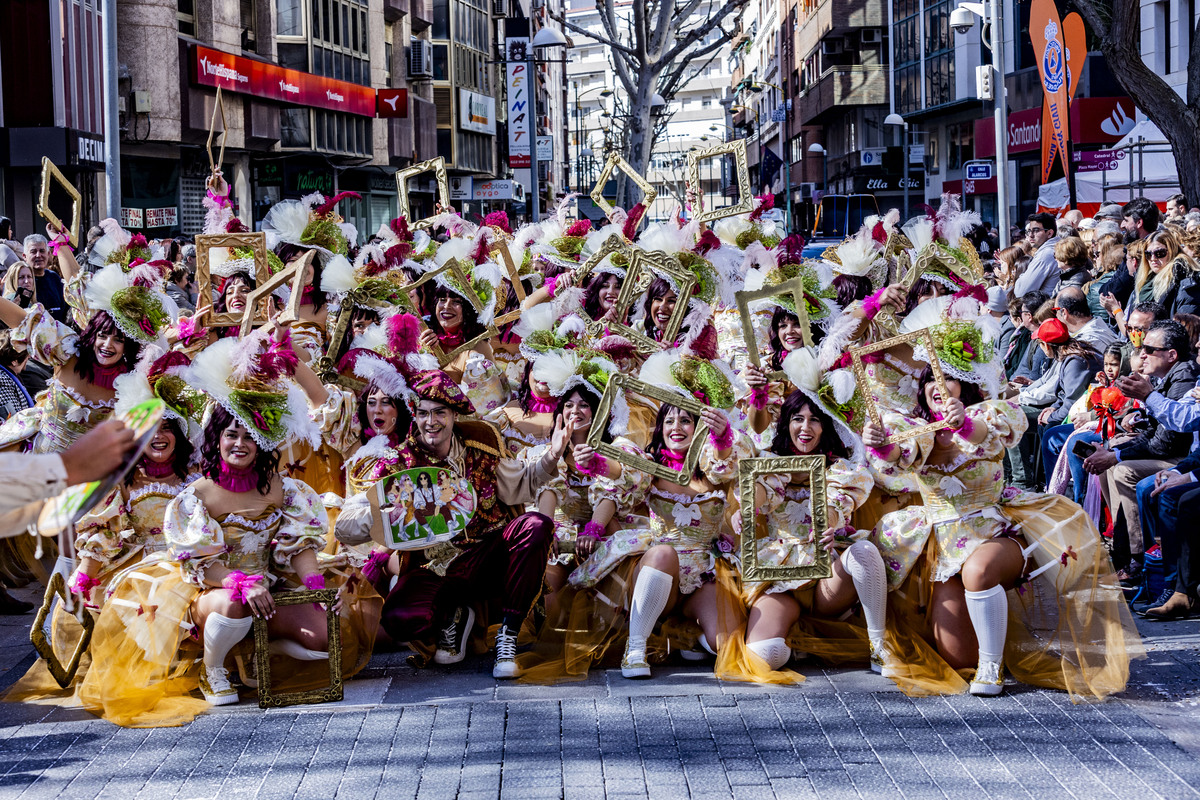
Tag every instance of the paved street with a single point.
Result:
(457, 732)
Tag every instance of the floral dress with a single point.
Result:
(481, 379)
(575, 495)
(311, 338)
(139, 674)
(696, 524)
(789, 508)
(127, 527)
(521, 431)
(60, 414)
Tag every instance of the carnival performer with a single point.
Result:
(814, 421)
(678, 552)
(502, 554)
(231, 535)
(984, 550)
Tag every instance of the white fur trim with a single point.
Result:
(383, 375)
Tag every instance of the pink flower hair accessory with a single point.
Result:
(237, 582)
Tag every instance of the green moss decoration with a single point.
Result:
(263, 410)
(704, 380)
(325, 233)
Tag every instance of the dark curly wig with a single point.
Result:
(266, 462)
(658, 441)
(470, 324)
(778, 354)
(659, 288)
(102, 324)
(591, 293)
(829, 445)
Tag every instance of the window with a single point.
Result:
(185, 14)
(289, 18)
(441, 19)
(706, 101)
(960, 144)
(293, 56)
(249, 20)
(441, 65)
(294, 127)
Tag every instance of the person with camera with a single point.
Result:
(1167, 363)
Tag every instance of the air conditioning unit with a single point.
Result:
(499, 8)
(420, 59)
(806, 190)
(871, 35)
(831, 47)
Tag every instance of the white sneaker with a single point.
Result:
(215, 685)
(989, 679)
(699, 654)
(881, 659)
(452, 644)
(634, 664)
(506, 655)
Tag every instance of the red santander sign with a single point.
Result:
(270, 82)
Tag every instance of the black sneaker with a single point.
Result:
(1161, 600)
(452, 644)
(11, 606)
(1131, 577)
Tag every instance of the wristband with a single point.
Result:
(314, 582)
(592, 530)
(552, 286)
(871, 303)
(376, 565)
(597, 466)
(758, 398)
(59, 241)
(83, 585)
(724, 441)
(966, 429)
(219, 199)
(237, 582)
(190, 330)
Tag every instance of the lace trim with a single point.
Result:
(159, 488)
(259, 526)
(79, 399)
(677, 497)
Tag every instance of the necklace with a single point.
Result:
(236, 479)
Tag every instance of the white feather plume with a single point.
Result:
(728, 229)
(384, 375)
(337, 276)
(803, 370)
(926, 315)
(538, 318)
(374, 337)
(858, 254)
(555, 368)
(285, 222)
(920, 232)
(843, 383)
(665, 237)
(956, 223)
(759, 257)
(132, 388)
(103, 285)
(454, 248)
(656, 371)
(115, 238)
(571, 324)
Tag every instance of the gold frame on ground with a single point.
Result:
(262, 653)
(64, 676)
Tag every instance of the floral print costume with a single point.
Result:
(575, 495)
(61, 414)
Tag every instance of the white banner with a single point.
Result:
(476, 112)
(520, 106)
(545, 148)
(461, 187)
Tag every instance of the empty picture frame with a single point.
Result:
(262, 653)
(746, 298)
(52, 175)
(741, 166)
(257, 242)
(326, 366)
(63, 674)
(633, 386)
(435, 165)
(643, 266)
(291, 276)
(460, 276)
(750, 470)
(611, 166)
(218, 112)
(613, 245)
(922, 337)
(501, 255)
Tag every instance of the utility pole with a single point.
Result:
(112, 126)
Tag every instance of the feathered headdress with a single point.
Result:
(133, 300)
(861, 256)
(834, 392)
(118, 246)
(484, 277)
(386, 354)
(709, 380)
(565, 370)
(820, 296)
(160, 376)
(963, 335)
(940, 250)
(251, 379)
(311, 222)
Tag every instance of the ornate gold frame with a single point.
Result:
(500, 253)
(293, 273)
(795, 287)
(52, 173)
(435, 165)
(218, 106)
(745, 203)
(614, 244)
(664, 396)
(205, 242)
(638, 277)
(455, 269)
(326, 365)
(64, 676)
(262, 654)
(615, 162)
(749, 471)
(923, 337)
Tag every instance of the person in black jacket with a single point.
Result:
(1168, 362)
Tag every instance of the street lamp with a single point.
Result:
(544, 39)
(817, 150)
(902, 123)
(962, 19)
(582, 151)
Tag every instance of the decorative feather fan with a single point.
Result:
(927, 314)
(286, 221)
(858, 254)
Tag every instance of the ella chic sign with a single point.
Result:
(269, 82)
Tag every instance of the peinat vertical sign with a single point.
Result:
(520, 100)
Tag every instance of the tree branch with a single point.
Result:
(696, 34)
(609, 42)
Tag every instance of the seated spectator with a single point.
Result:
(1035, 362)
(997, 306)
(1074, 266)
(179, 288)
(1118, 292)
(1018, 343)
(1168, 276)
(19, 285)
(1166, 361)
(1107, 254)
(1011, 263)
(1141, 318)
(1074, 312)
(1191, 324)
(13, 394)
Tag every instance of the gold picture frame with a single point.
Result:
(638, 277)
(501, 255)
(460, 276)
(616, 162)
(64, 675)
(262, 654)
(749, 471)
(257, 242)
(613, 245)
(741, 163)
(52, 174)
(326, 366)
(631, 385)
(922, 337)
(292, 274)
(435, 165)
(218, 110)
(745, 298)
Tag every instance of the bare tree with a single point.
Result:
(1118, 25)
(651, 46)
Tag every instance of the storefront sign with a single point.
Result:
(270, 82)
(517, 80)
(131, 218)
(89, 150)
(870, 184)
(162, 217)
(1094, 120)
(871, 156)
(1098, 160)
(462, 188)
(499, 190)
(476, 112)
(545, 148)
(969, 187)
(307, 181)
(391, 103)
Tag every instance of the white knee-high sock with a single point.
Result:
(703, 642)
(221, 633)
(286, 647)
(773, 651)
(989, 616)
(650, 596)
(865, 565)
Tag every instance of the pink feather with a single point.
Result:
(498, 219)
(235, 225)
(708, 242)
(580, 227)
(704, 345)
(765, 203)
(399, 227)
(879, 233)
(631, 221)
(791, 250)
(403, 334)
(278, 360)
(326, 207)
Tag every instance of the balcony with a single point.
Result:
(837, 16)
(841, 86)
(395, 9)
(420, 14)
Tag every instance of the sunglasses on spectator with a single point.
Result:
(1151, 350)
(1158, 254)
